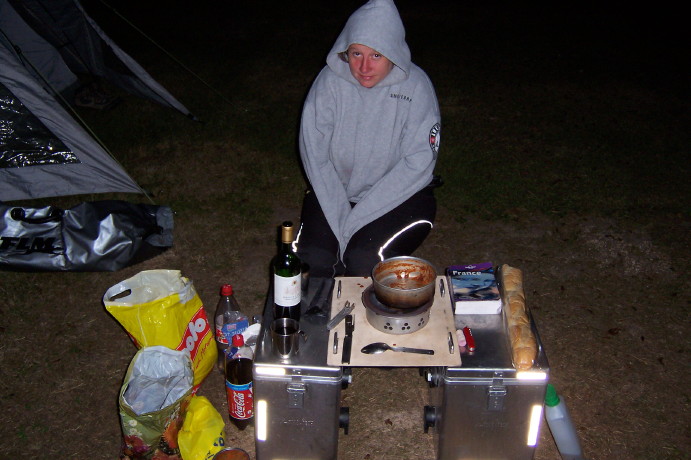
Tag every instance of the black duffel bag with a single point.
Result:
(90, 237)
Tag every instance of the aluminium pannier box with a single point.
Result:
(297, 401)
(486, 409)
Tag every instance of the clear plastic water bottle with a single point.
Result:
(229, 321)
(561, 426)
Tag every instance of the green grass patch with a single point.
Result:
(561, 148)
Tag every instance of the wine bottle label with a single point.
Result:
(240, 400)
(287, 290)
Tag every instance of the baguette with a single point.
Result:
(521, 337)
(512, 278)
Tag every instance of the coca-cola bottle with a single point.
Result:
(238, 372)
(229, 320)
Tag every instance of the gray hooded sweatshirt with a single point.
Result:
(375, 147)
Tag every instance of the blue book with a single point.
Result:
(474, 289)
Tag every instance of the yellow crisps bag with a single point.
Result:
(161, 307)
(202, 434)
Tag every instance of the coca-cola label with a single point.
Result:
(197, 328)
(240, 400)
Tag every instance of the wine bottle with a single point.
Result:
(287, 279)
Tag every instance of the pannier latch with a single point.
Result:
(496, 393)
(296, 395)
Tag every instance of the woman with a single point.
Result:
(369, 140)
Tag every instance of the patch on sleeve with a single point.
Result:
(435, 138)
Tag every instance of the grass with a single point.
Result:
(530, 121)
(531, 116)
(533, 120)
(563, 148)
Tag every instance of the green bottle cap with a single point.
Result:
(551, 396)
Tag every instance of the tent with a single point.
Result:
(45, 47)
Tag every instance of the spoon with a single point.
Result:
(381, 347)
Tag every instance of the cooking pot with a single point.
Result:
(404, 282)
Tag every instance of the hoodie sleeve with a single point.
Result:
(413, 171)
(316, 131)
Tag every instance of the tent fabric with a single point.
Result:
(86, 49)
(44, 46)
(27, 141)
(90, 168)
(35, 48)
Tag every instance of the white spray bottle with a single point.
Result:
(561, 426)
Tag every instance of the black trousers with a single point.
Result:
(397, 233)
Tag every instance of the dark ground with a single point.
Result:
(609, 292)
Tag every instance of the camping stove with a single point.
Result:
(392, 320)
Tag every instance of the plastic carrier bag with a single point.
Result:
(90, 237)
(202, 433)
(153, 401)
(161, 307)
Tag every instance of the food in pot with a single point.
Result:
(404, 282)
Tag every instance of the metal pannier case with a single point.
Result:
(297, 400)
(486, 409)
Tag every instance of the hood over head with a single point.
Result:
(377, 25)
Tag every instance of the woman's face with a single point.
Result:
(367, 66)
